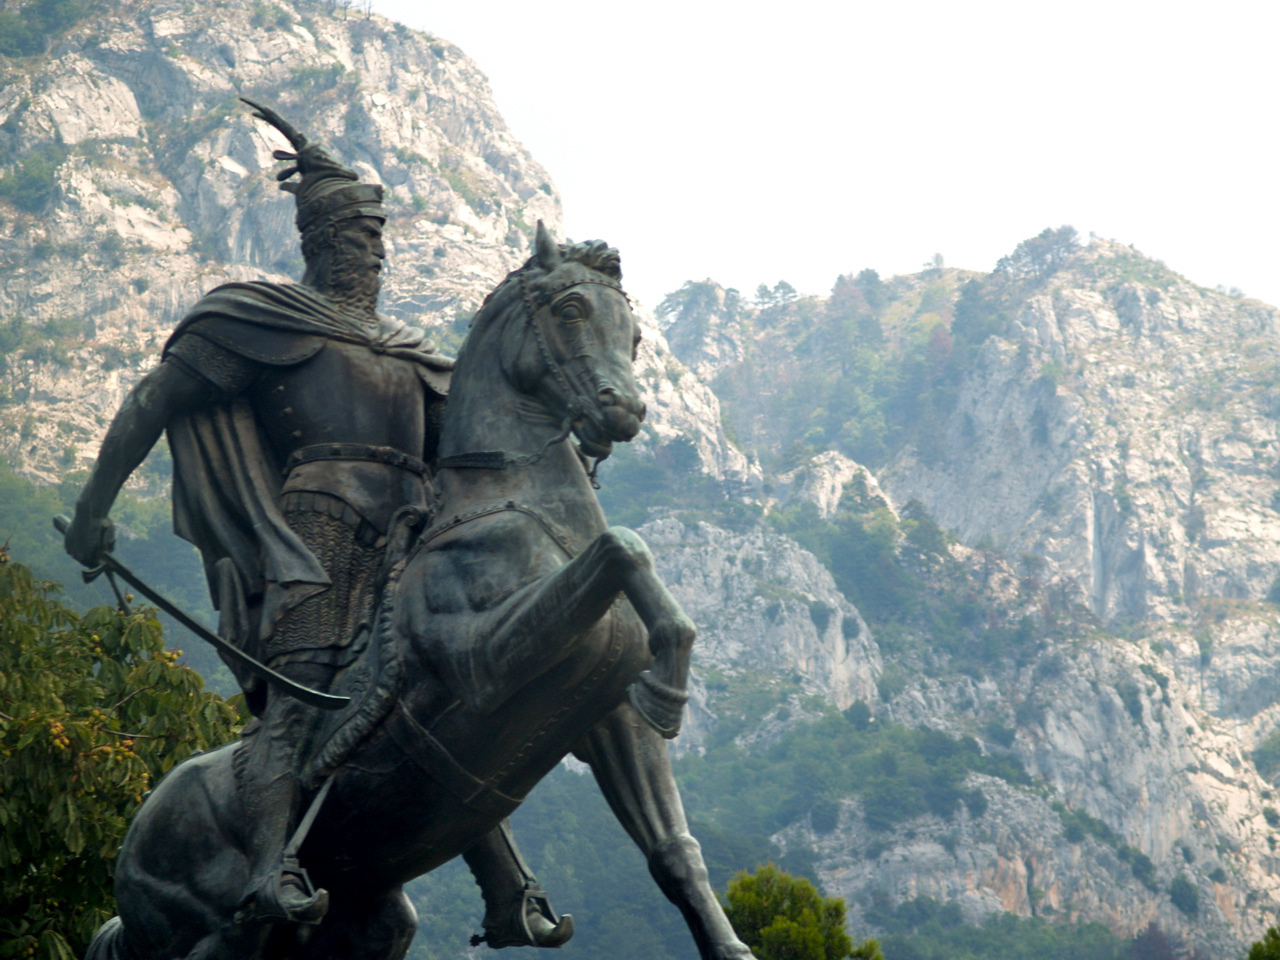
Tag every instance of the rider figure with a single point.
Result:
(300, 421)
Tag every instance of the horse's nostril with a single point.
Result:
(608, 396)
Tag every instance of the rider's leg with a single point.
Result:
(517, 911)
(280, 889)
(630, 763)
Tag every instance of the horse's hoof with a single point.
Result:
(661, 705)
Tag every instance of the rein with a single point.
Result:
(549, 526)
(578, 406)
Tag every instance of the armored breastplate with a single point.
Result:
(349, 423)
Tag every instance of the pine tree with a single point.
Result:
(1268, 948)
(782, 917)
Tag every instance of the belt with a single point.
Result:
(356, 451)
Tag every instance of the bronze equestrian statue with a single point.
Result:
(491, 630)
(299, 421)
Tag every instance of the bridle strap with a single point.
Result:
(578, 405)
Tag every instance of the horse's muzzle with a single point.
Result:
(615, 418)
(620, 414)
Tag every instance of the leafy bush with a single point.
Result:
(1077, 825)
(1041, 256)
(92, 711)
(1131, 697)
(1141, 866)
(34, 180)
(898, 774)
(1185, 895)
(26, 32)
(1268, 948)
(265, 15)
(924, 929)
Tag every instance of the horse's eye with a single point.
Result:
(571, 311)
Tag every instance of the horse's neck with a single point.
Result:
(486, 414)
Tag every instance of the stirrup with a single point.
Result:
(661, 704)
(287, 895)
(530, 922)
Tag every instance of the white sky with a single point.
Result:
(799, 140)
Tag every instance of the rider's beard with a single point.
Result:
(354, 284)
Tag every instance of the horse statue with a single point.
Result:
(514, 628)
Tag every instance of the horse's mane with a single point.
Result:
(595, 255)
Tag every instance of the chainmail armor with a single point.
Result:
(348, 549)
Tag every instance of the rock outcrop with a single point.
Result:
(1124, 429)
(137, 181)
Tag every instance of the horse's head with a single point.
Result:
(579, 342)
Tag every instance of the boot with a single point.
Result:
(280, 890)
(284, 895)
(517, 910)
(527, 921)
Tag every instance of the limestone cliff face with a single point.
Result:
(765, 608)
(1125, 430)
(1119, 427)
(1115, 734)
(148, 184)
(681, 407)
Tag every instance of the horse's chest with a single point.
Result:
(482, 765)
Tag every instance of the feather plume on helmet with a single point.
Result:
(327, 191)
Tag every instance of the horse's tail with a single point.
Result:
(109, 943)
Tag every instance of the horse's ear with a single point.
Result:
(548, 250)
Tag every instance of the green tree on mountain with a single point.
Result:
(1268, 948)
(782, 917)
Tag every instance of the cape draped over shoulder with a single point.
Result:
(227, 481)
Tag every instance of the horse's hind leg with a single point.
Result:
(363, 928)
(630, 763)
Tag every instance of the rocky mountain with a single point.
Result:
(1102, 436)
(1028, 516)
(135, 181)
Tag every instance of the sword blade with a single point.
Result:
(315, 698)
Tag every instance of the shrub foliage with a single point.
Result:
(93, 710)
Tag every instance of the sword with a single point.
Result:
(111, 565)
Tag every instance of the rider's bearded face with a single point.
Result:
(355, 264)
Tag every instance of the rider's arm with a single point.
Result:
(170, 389)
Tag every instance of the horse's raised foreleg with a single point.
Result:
(630, 763)
(661, 692)
(529, 634)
